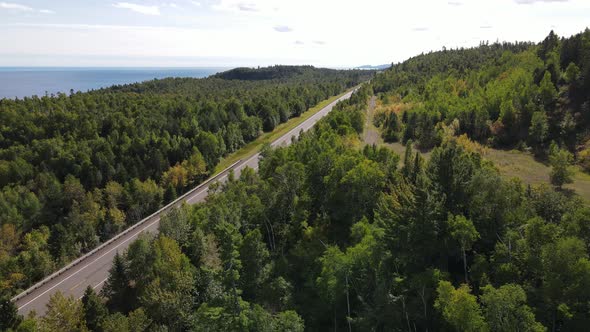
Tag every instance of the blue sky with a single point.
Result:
(264, 32)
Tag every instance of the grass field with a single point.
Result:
(255, 146)
(510, 163)
(514, 163)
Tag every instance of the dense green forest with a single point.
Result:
(77, 169)
(334, 235)
(503, 95)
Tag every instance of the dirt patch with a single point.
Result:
(371, 134)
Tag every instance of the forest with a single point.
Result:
(533, 97)
(333, 234)
(77, 169)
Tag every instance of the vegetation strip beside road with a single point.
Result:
(255, 146)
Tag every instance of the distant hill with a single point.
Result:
(377, 67)
(278, 72)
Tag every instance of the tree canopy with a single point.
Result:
(77, 169)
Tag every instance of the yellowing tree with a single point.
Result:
(460, 308)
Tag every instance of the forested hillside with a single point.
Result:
(502, 95)
(331, 235)
(77, 169)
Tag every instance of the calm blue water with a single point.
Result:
(22, 82)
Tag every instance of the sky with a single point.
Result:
(331, 33)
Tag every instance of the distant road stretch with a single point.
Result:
(93, 268)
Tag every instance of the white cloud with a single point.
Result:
(23, 8)
(145, 10)
(15, 6)
(225, 29)
(282, 28)
(238, 6)
(526, 2)
(195, 3)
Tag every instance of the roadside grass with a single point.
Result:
(253, 147)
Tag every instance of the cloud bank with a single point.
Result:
(528, 2)
(141, 9)
(15, 6)
(282, 28)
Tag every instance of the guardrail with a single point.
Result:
(118, 236)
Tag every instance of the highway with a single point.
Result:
(92, 268)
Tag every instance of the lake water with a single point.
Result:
(23, 82)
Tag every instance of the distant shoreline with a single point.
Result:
(20, 82)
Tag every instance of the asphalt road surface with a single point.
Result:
(93, 269)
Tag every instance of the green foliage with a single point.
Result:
(560, 161)
(499, 94)
(115, 322)
(9, 317)
(539, 128)
(288, 321)
(566, 276)
(94, 309)
(572, 73)
(256, 265)
(460, 308)
(463, 231)
(331, 235)
(88, 165)
(547, 92)
(63, 314)
(116, 288)
(505, 309)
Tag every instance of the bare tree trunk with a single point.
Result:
(406, 313)
(348, 304)
(423, 297)
(465, 264)
(335, 329)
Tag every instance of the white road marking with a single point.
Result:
(85, 266)
(94, 287)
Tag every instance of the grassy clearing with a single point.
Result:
(372, 134)
(510, 163)
(253, 147)
(522, 165)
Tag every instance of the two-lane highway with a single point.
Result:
(92, 269)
